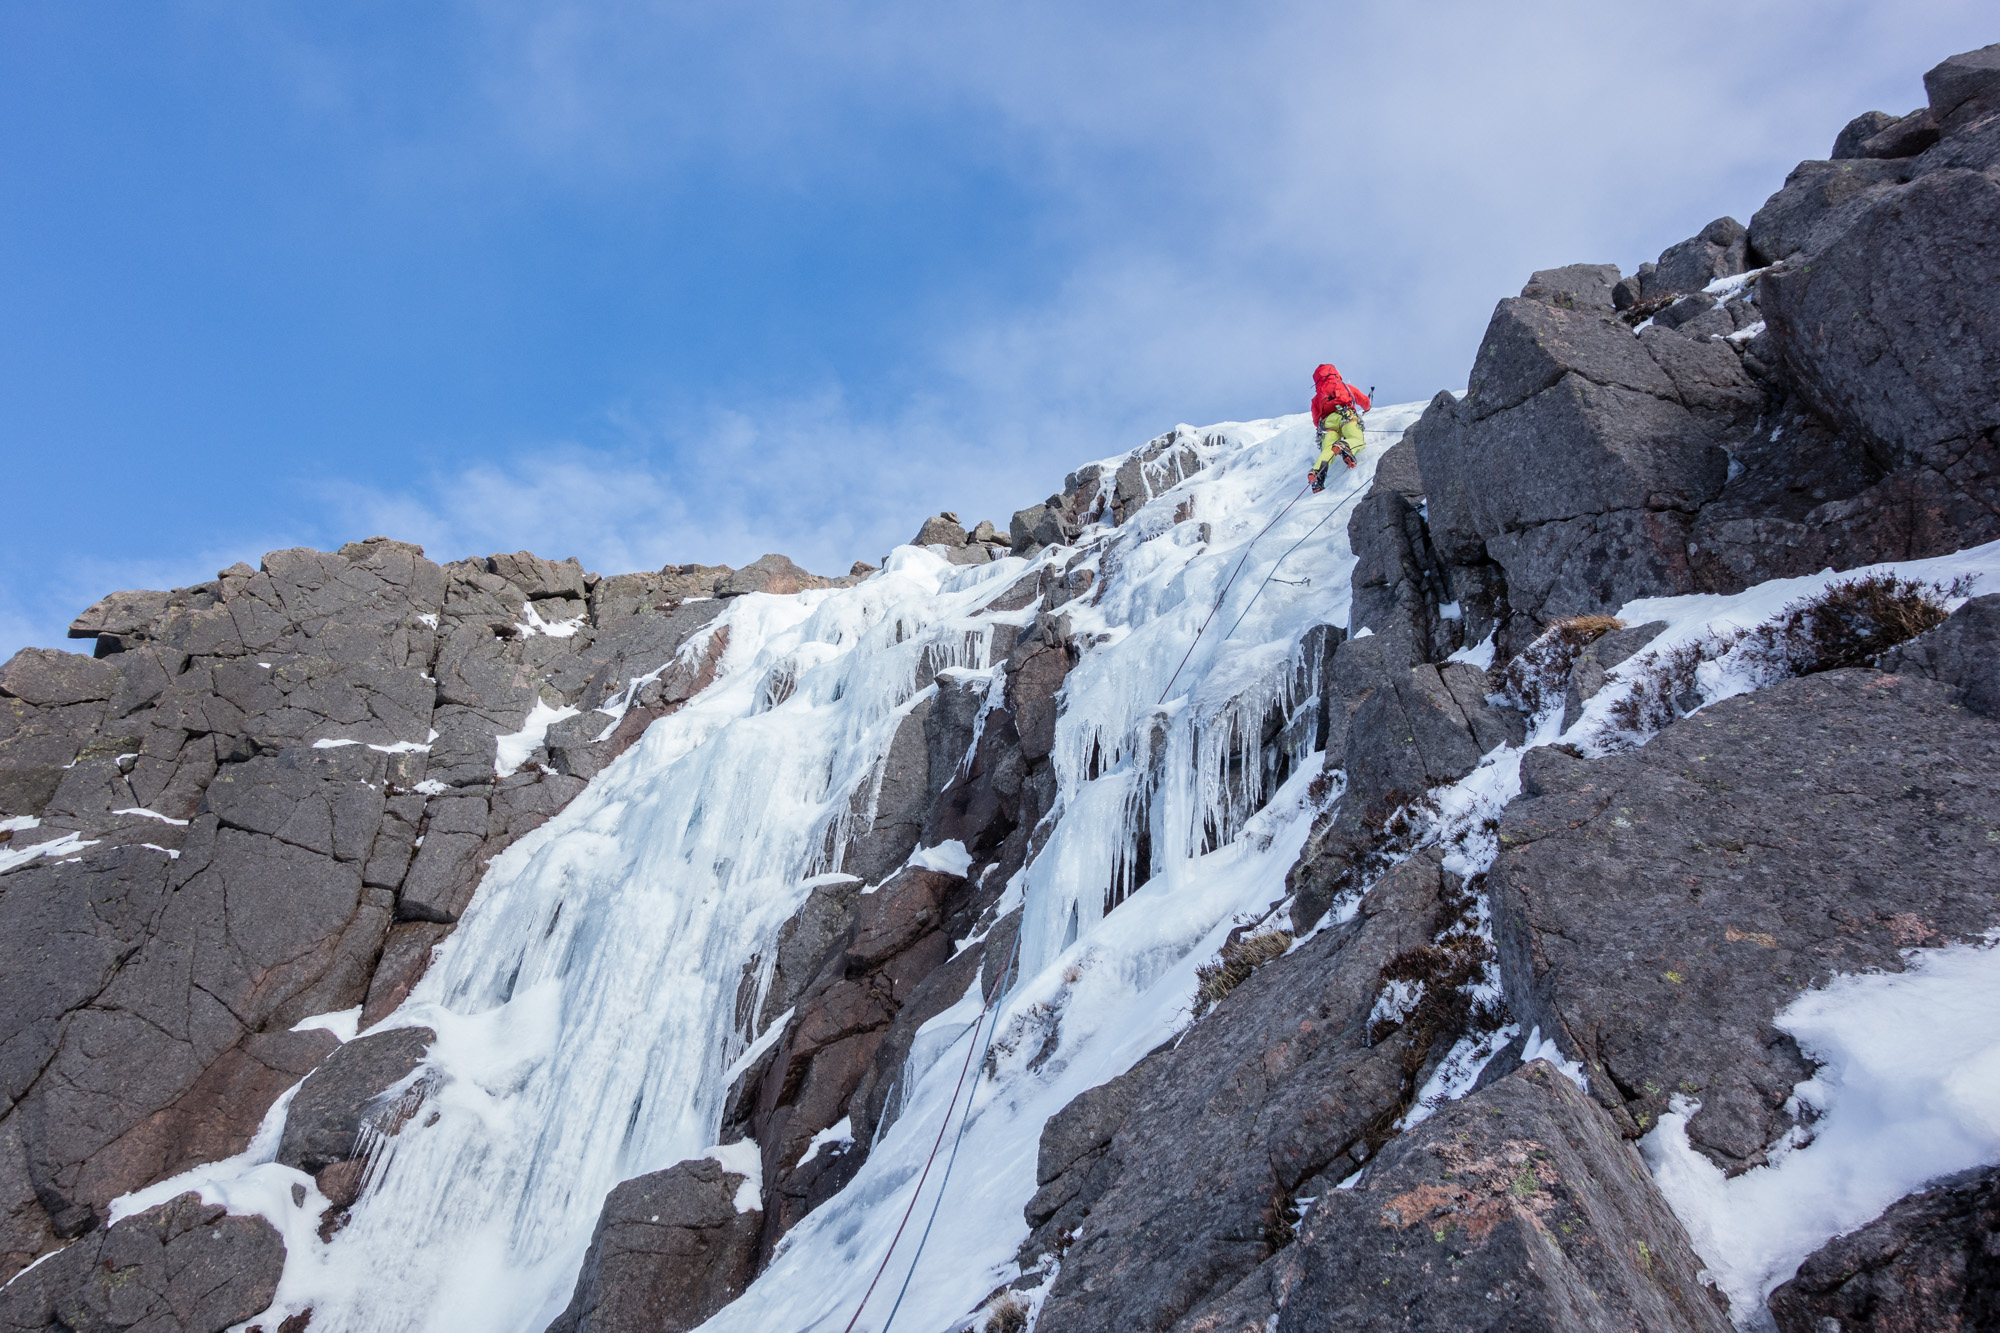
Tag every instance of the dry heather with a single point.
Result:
(1846, 624)
(1007, 1315)
(1234, 965)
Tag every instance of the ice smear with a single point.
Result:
(512, 750)
(585, 1007)
(1908, 1090)
(1110, 986)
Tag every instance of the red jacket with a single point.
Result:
(1334, 392)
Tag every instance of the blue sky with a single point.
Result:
(672, 282)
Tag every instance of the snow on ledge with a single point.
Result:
(151, 814)
(840, 1134)
(745, 1159)
(1479, 654)
(342, 1023)
(67, 845)
(774, 1030)
(950, 858)
(512, 750)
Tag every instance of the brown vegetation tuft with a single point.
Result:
(1234, 965)
(1845, 624)
(1007, 1315)
(1538, 677)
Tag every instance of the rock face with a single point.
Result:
(1931, 1262)
(891, 971)
(325, 1117)
(1539, 1214)
(670, 1249)
(269, 796)
(1278, 1093)
(1739, 858)
(183, 1265)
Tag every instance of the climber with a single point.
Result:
(1336, 412)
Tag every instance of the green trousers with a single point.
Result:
(1339, 428)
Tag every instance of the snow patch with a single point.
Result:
(1479, 654)
(1538, 1047)
(342, 1023)
(151, 814)
(838, 1135)
(950, 858)
(743, 1158)
(512, 750)
(1908, 1090)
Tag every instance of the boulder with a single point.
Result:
(49, 677)
(1519, 1207)
(1964, 85)
(1907, 137)
(1857, 132)
(1887, 331)
(1530, 345)
(1719, 250)
(772, 574)
(122, 615)
(539, 578)
(182, 1265)
(324, 1122)
(1930, 1262)
(1723, 870)
(669, 1250)
(1574, 286)
(940, 530)
(1817, 202)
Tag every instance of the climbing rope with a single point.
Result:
(971, 1046)
(1281, 560)
(944, 1182)
(1227, 584)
